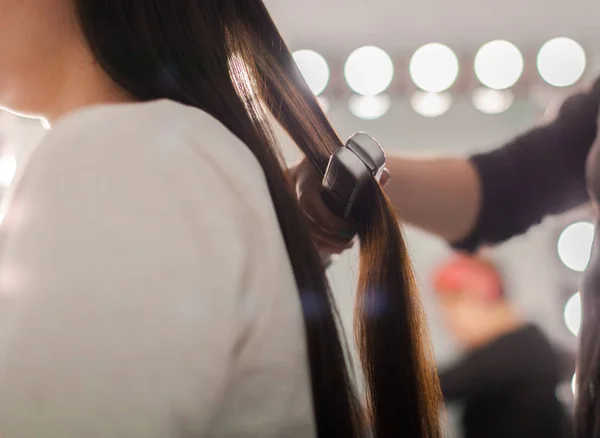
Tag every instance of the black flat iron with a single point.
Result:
(348, 174)
(349, 171)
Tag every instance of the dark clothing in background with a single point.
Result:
(549, 170)
(539, 173)
(509, 388)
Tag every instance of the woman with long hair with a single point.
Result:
(158, 277)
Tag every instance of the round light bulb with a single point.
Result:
(572, 314)
(561, 62)
(575, 245)
(434, 67)
(314, 68)
(369, 71)
(499, 64)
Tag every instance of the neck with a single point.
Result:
(76, 83)
(85, 84)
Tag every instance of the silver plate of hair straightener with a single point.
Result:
(349, 171)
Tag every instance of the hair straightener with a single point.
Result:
(348, 174)
(349, 171)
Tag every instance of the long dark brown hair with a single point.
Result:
(227, 58)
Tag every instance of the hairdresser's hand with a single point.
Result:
(331, 234)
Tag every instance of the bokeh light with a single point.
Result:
(575, 245)
(572, 314)
(369, 71)
(434, 67)
(499, 64)
(431, 104)
(490, 101)
(561, 62)
(314, 68)
(370, 107)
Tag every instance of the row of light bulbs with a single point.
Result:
(434, 68)
(574, 250)
(427, 104)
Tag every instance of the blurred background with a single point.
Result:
(440, 77)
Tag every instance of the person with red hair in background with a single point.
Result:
(507, 380)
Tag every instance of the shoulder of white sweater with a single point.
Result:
(162, 134)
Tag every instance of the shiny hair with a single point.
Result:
(227, 58)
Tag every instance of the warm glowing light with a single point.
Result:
(490, 101)
(575, 245)
(314, 68)
(499, 64)
(369, 71)
(370, 107)
(431, 104)
(561, 62)
(434, 67)
(572, 314)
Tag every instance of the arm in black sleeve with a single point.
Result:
(487, 369)
(477, 374)
(539, 173)
(513, 358)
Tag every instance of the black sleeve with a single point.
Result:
(539, 173)
(477, 374)
(499, 363)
